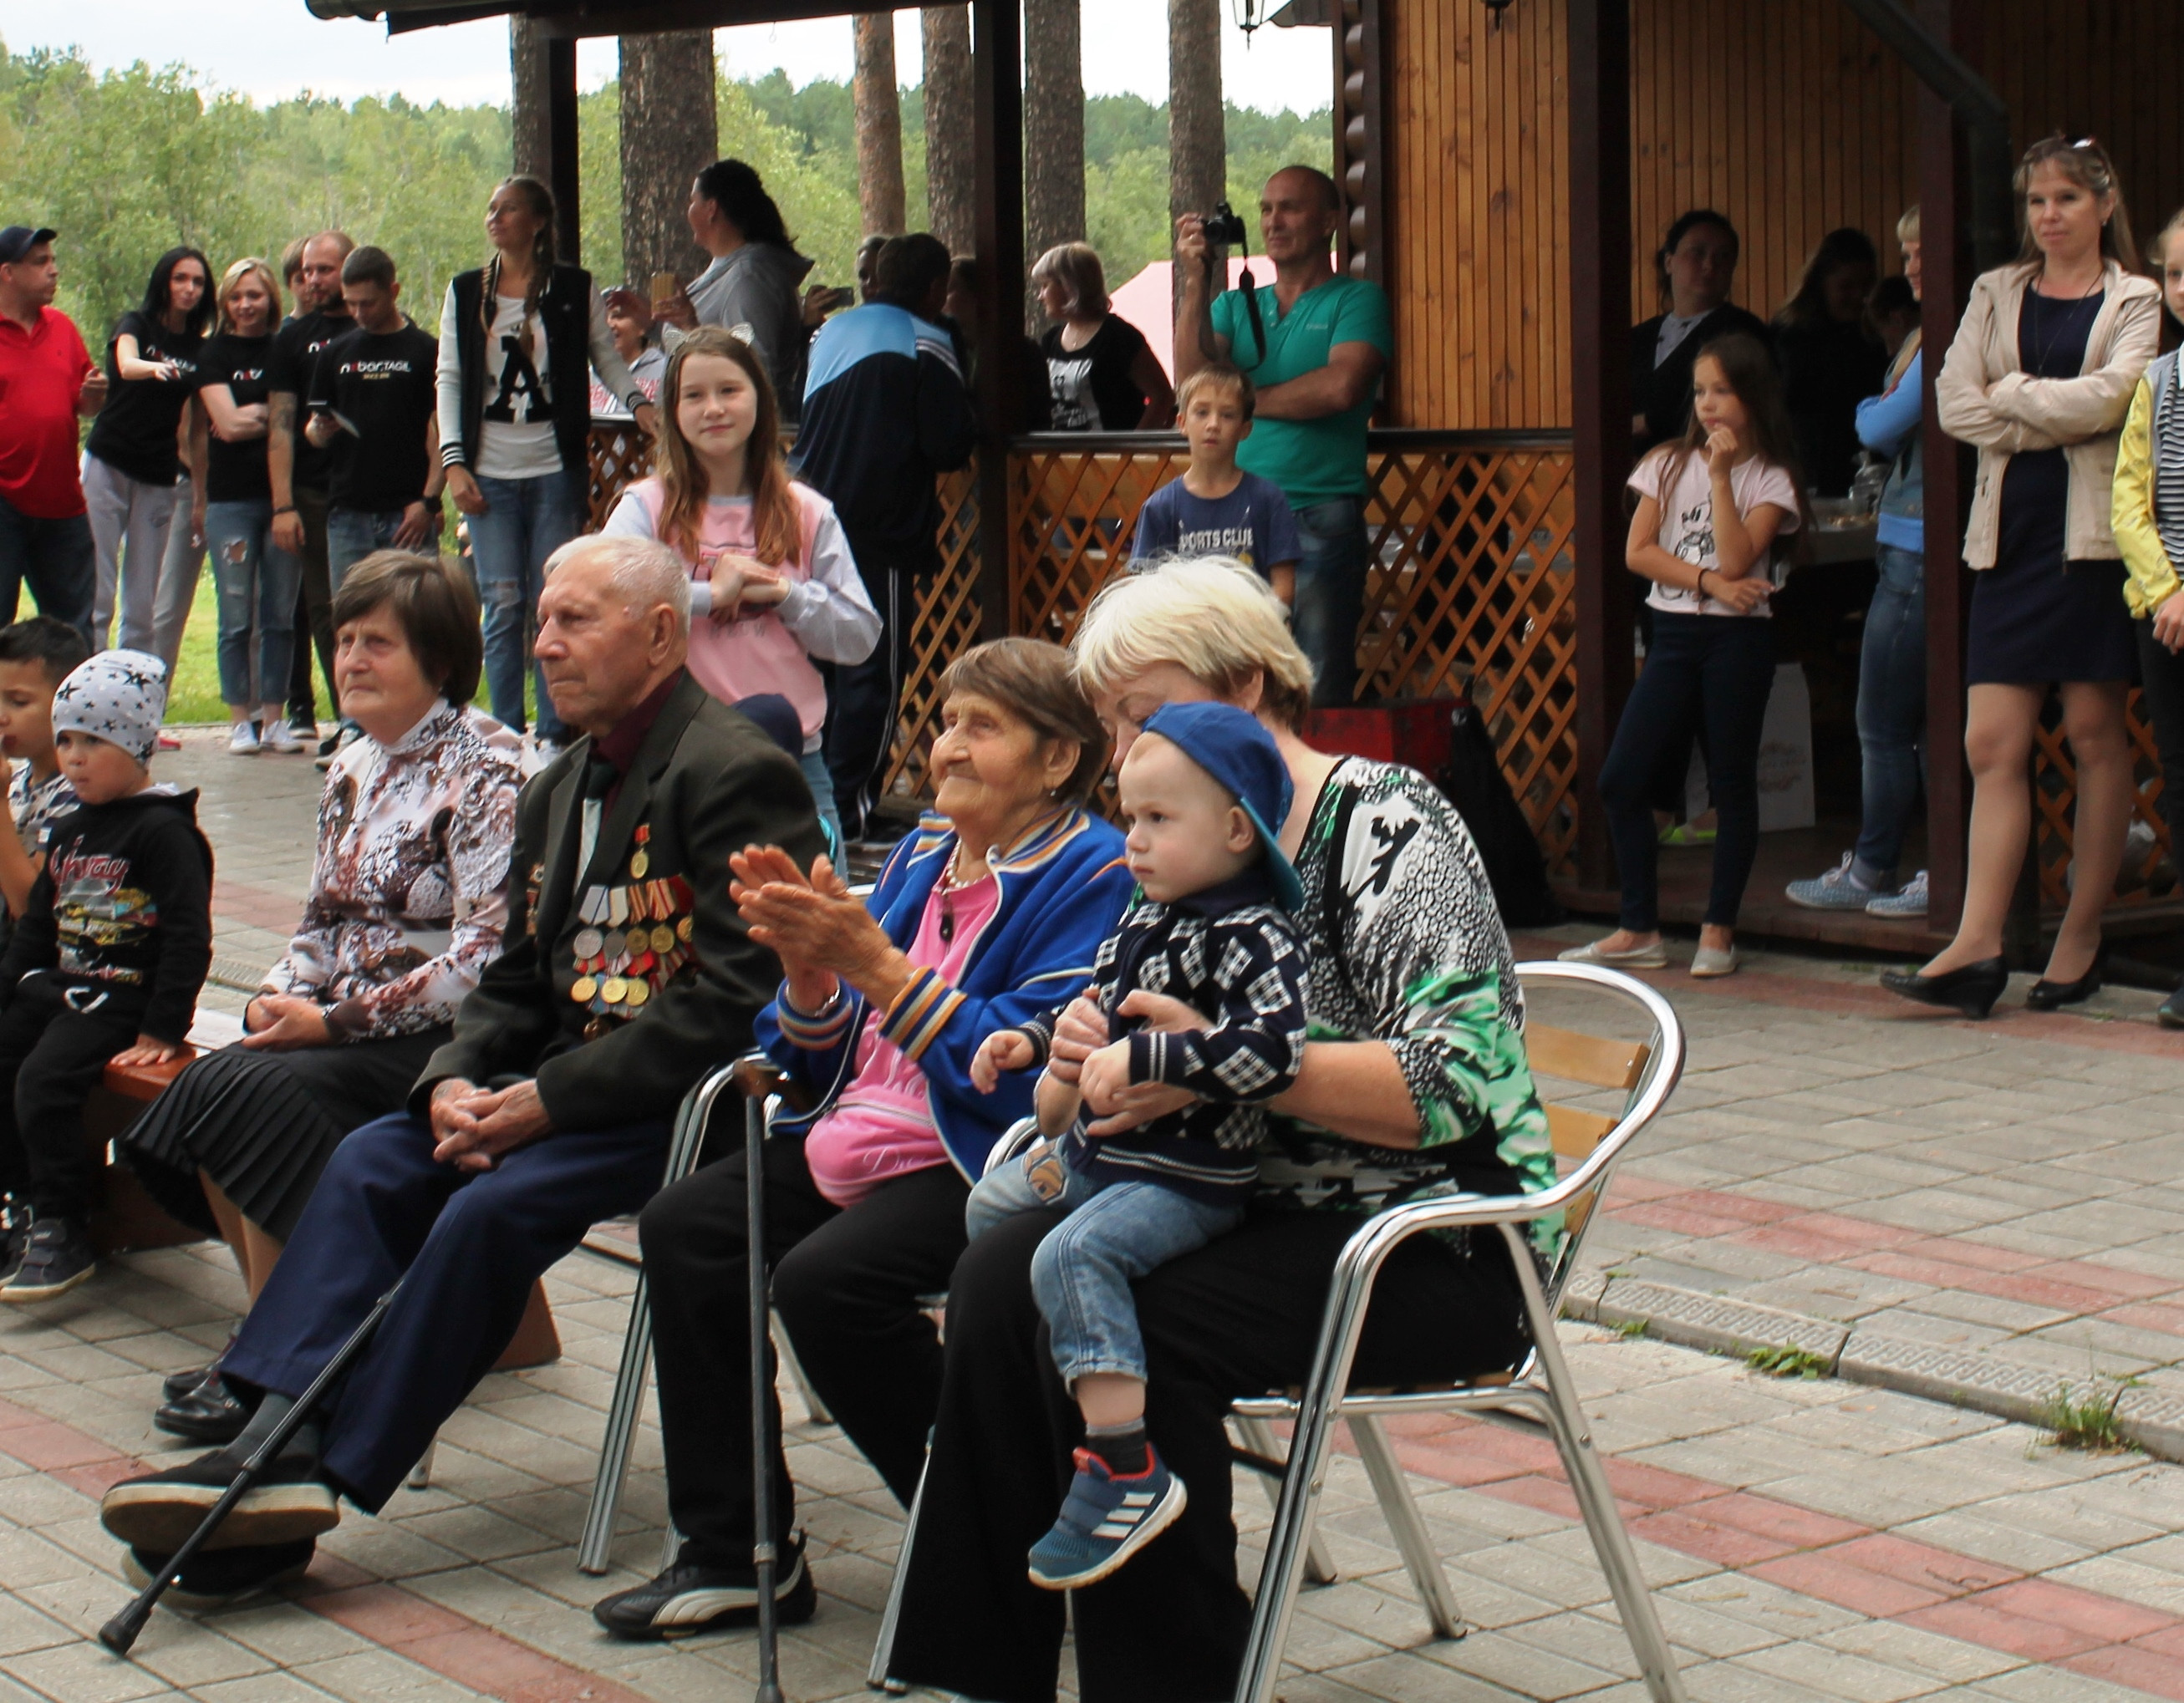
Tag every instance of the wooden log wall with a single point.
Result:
(1788, 116)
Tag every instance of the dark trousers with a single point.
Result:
(315, 613)
(465, 1246)
(56, 558)
(846, 1283)
(863, 697)
(2161, 678)
(51, 1055)
(1704, 672)
(1240, 1317)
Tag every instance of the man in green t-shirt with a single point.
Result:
(1315, 350)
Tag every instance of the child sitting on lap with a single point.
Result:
(105, 963)
(1203, 787)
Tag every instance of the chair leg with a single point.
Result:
(1588, 1481)
(1400, 1510)
(421, 1475)
(785, 1351)
(876, 1675)
(1259, 1437)
(598, 1540)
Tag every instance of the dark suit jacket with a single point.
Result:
(1662, 394)
(705, 783)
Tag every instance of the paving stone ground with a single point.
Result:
(2006, 1188)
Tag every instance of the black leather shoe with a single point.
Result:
(210, 1413)
(1971, 990)
(689, 1599)
(157, 1512)
(223, 1579)
(2044, 995)
(2170, 1013)
(177, 1384)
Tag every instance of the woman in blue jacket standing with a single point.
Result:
(989, 915)
(1891, 672)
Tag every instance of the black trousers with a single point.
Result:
(846, 1283)
(1240, 1317)
(2161, 678)
(51, 1055)
(314, 614)
(863, 697)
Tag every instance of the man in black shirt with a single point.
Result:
(374, 409)
(298, 468)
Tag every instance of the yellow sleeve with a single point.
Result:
(2153, 575)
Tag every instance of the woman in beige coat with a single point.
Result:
(2039, 378)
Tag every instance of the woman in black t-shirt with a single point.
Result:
(132, 457)
(256, 580)
(1101, 374)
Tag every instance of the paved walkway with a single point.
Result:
(2004, 1190)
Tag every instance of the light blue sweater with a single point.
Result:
(1888, 424)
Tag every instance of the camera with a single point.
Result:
(1223, 229)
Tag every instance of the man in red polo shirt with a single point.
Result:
(47, 380)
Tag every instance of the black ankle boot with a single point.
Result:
(1971, 990)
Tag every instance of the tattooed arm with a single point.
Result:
(281, 467)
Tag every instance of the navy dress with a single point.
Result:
(2038, 617)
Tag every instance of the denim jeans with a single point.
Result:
(257, 582)
(525, 521)
(1715, 671)
(1082, 1272)
(55, 558)
(129, 524)
(1891, 711)
(1330, 594)
(353, 534)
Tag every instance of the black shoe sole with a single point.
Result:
(794, 1607)
(158, 1518)
(212, 1591)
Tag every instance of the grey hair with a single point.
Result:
(644, 570)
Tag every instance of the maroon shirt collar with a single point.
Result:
(619, 746)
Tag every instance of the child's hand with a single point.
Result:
(1742, 595)
(148, 1050)
(1006, 1050)
(1080, 1031)
(1104, 1075)
(763, 589)
(1721, 451)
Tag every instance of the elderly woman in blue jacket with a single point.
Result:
(989, 915)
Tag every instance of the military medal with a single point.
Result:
(683, 929)
(637, 940)
(613, 990)
(582, 989)
(589, 942)
(637, 993)
(640, 860)
(663, 938)
(593, 910)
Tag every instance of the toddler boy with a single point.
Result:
(1216, 508)
(105, 963)
(35, 655)
(1203, 787)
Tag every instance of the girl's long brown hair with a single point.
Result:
(1750, 370)
(776, 521)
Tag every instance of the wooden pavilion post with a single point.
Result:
(561, 145)
(997, 54)
(1600, 397)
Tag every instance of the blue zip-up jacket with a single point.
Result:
(885, 413)
(1888, 424)
(1063, 890)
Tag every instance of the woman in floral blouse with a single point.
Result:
(1414, 1083)
(409, 896)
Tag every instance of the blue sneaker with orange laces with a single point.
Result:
(1107, 1518)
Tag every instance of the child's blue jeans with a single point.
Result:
(1081, 1274)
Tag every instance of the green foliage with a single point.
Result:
(1788, 1363)
(2086, 1418)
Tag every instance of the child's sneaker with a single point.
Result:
(1907, 900)
(1106, 1519)
(56, 1258)
(15, 1226)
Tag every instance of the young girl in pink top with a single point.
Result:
(773, 583)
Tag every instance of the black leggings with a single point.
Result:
(1710, 673)
(1241, 1316)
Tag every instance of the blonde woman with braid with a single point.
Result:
(517, 337)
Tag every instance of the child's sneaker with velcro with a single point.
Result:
(1107, 1518)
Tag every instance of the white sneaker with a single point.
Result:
(280, 737)
(1907, 900)
(242, 740)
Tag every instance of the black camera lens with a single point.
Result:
(1223, 228)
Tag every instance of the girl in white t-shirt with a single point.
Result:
(1711, 509)
(773, 583)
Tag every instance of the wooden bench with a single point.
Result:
(128, 1218)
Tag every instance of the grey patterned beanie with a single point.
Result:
(119, 696)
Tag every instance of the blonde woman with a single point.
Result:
(2040, 377)
(256, 579)
(1102, 376)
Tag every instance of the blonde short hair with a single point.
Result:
(1906, 227)
(230, 279)
(1212, 617)
(1076, 266)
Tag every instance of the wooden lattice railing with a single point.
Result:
(2054, 798)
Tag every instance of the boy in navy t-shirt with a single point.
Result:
(1216, 508)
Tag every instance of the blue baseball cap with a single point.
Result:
(18, 240)
(1234, 746)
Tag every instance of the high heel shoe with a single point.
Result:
(2044, 995)
(1973, 989)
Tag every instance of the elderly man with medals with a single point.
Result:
(625, 973)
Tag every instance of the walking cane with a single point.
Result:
(118, 1634)
(763, 1554)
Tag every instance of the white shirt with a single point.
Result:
(515, 435)
(1687, 522)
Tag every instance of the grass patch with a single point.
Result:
(1631, 1327)
(1788, 1363)
(2087, 1422)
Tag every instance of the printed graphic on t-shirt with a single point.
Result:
(94, 912)
(1069, 382)
(1216, 540)
(519, 398)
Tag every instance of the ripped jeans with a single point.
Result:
(257, 582)
(525, 521)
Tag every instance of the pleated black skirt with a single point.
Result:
(262, 1125)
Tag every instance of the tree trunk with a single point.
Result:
(950, 165)
(530, 149)
(1054, 126)
(1197, 149)
(669, 133)
(878, 106)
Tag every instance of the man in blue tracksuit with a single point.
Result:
(885, 413)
